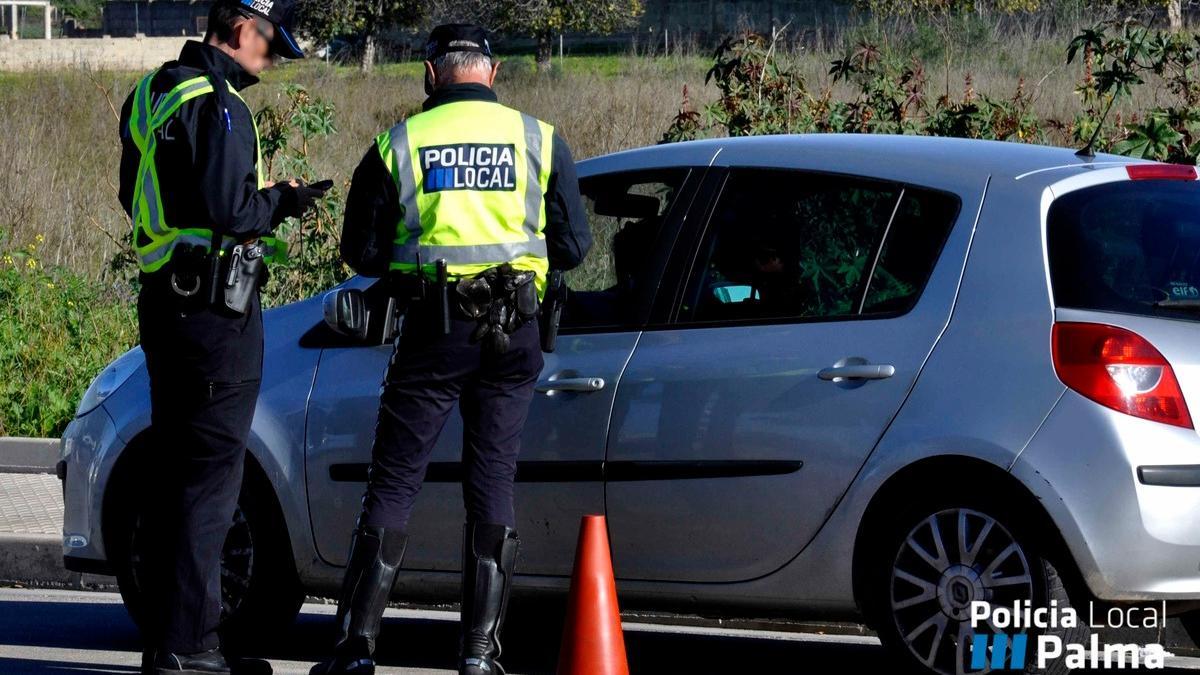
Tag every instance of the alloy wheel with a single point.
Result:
(947, 561)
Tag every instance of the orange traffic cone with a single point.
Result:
(592, 640)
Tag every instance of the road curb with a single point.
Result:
(35, 560)
(28, 455)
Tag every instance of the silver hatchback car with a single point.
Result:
(845, 377)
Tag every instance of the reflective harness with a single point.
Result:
(154, 240)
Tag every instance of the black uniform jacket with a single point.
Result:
(206, 158)
(373, 205)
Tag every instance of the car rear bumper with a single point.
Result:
(1125, 494)
(86, 442)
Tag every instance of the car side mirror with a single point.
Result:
(346, 312)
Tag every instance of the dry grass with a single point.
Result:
(59, 152)
(59, 149)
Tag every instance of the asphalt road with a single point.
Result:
(82, 632)
(69, 632)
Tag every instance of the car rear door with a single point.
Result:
(807, 312)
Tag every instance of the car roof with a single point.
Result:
(925, 156)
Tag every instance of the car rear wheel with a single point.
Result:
(261, 594)
(930, 560)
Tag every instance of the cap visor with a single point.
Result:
(285, 45)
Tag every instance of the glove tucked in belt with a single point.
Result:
(501, 300)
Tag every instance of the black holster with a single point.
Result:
(552, 307)
(242, 271)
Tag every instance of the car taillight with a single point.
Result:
(1161, 172)
(1119, 369)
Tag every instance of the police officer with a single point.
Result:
(191, 179)
(485, 198)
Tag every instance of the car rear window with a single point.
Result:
(1130, 247)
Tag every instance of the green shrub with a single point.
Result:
(314, 262)
(57, 331)
(880, 92)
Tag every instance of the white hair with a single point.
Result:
(451, 66)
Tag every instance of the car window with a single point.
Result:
(613, 288)
(788, 244)
(805, 246)
(914, 241)
(1130, 247)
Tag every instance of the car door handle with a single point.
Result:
(583, 384)
(866, 371)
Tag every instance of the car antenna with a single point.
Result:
(1089, 150)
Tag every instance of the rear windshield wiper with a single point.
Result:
(1192, 304)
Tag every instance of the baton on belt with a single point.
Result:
(444, 294)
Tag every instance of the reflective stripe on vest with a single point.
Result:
(149, 224)
(472, 178)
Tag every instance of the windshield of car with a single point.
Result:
(1130, 247)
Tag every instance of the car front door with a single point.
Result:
(799, 331)
(560, 469)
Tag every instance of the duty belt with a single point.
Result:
(501, 300)
(226, 278)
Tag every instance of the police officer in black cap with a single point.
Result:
(465, 207)
(192, 180)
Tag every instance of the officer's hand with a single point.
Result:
(309, 194)
(299, 198)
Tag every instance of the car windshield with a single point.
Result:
(1130, 246)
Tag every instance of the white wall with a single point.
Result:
(95, 53)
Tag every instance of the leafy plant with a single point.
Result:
(1118, 58)
(759, 94)
(687, 125)
(1151, 139)
(314, 262)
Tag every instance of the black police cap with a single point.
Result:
(281, 14)
(457, 37)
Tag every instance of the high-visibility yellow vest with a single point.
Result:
(472, 177)
(154, 240)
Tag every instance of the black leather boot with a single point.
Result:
(204, 663)
(489, 558)
(375, 556)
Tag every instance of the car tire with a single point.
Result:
(260, 590)
(913, 589)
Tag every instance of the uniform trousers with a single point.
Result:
(428, 374)
(205, 369)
